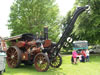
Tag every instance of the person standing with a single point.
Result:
(74, 56)
(87, 55)
(83, 55)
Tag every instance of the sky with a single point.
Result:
(64, 6)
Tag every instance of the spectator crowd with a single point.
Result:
(81, 55)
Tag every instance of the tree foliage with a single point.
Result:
(30, 16)
(87, 26)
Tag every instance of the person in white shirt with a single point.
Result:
(87, 55)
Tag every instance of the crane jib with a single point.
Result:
(68, 30)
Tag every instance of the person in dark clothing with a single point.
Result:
(72, 60)
(83, 55)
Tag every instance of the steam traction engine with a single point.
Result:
(40, 51)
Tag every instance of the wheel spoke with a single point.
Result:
(15, 53)
(57, 61)
(13, 56)
(41, 62)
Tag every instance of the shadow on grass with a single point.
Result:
(30, 70)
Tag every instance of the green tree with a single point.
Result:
(30, 16)
(87, 26)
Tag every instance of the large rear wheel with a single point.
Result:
(56, 62)
(13, 57)
(41, 62)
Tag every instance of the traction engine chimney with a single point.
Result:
(45, 32)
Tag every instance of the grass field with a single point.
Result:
(88, 68)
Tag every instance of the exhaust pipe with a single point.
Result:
(45, 33)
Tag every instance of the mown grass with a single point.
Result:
(87, 68)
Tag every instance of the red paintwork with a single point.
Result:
(47, 43)
(20, 44)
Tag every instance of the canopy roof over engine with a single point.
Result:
(22, 37)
